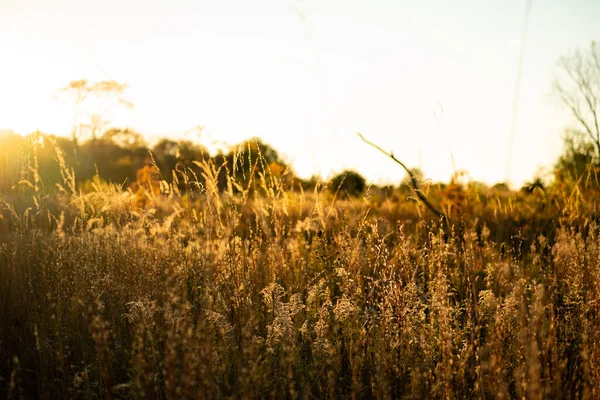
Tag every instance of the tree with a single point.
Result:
(246, 161)
(104, 93)
(576, 159)
(96, 126)
(578, 87)
(127, 138)
(77, 91)
(349, 183)
(165, 153)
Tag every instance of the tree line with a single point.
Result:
(122, 156)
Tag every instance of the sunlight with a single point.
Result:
(282, 71)
(299, 199)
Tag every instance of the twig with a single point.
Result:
(413, 179)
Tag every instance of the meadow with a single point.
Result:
(221, 284)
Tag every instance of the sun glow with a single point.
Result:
(303, 76)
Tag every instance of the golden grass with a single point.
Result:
(107, 292)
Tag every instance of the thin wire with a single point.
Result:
(515, 108)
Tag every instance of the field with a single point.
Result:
(178, 288)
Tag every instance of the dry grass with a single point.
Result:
(278, 294)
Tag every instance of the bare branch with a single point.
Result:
(413, 179)
(573, 105)
(582, 69)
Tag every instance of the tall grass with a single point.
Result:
(262, 292)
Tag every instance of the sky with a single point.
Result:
(432, 81)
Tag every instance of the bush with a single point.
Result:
(347, 184)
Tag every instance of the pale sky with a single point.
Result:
(306, 75)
